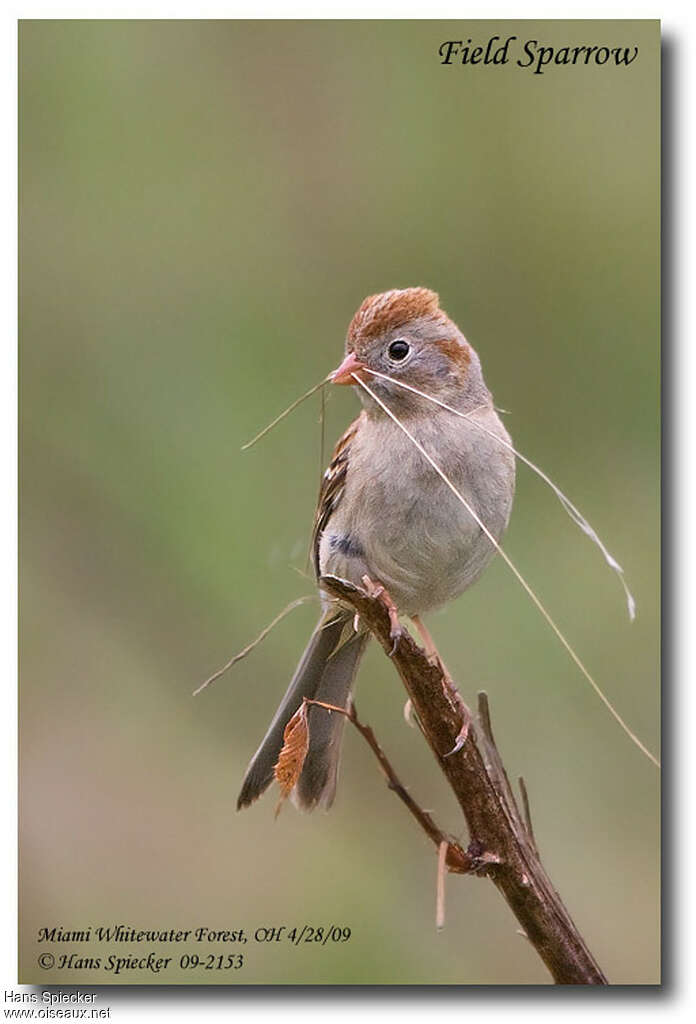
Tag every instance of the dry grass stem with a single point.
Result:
(286, 412)
(254, 643)
(515, 571)
(577, 517)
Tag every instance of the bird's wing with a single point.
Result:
(332, 487)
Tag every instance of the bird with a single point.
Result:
(385, 518)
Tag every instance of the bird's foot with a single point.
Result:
(380, 593)
(455, 696)
(450, 690)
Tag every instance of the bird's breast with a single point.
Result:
(401, 523)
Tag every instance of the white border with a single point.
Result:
(156, 1004)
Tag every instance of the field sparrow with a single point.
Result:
(385, 514)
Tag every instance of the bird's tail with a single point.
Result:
(326, 672)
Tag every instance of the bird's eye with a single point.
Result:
(398, 350)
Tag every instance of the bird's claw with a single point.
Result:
(380, 593)
(464, 711)
(450, 691)
(462, 737)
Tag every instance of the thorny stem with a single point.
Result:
(480, 784)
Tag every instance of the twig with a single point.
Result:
(458, 860)
(527, 812)
(440, 901)
(499, 836)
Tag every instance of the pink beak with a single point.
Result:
(344, 373)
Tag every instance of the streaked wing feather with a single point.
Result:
(332, 487)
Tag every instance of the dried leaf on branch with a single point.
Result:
(293, 753)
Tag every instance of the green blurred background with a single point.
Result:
(203, 206)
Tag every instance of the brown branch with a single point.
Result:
(478, 780)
